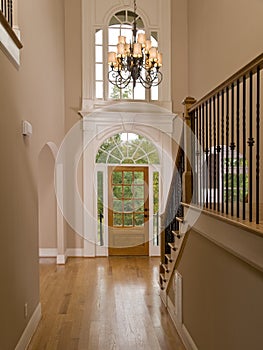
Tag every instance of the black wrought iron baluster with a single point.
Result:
(10, 13)
(218, 152)
(238, 147)
(244, 147)
(210, 153)
(251, 142)
(227, 150)
(232, 147)
(197, 153)
(222, 151)
(215, 150)
(194, 150)
(203, 156)
(200, 155)
(258, 145)
(206, 154)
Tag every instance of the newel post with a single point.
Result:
(187, 179)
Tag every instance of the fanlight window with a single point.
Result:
(127, 148)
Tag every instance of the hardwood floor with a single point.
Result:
(103, 303)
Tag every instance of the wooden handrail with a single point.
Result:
(10, 31)
(250, 67)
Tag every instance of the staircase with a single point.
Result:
(172, 258)
(172, 238)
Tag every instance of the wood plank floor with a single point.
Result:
(103, 303)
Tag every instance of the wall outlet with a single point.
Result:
(25, 310)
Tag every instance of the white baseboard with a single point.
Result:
(30, 329)
(75, 252)
(181, 329)
(48, 252)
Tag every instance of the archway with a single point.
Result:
(50, 219)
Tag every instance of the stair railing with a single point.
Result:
(6, 8)
(226, 150)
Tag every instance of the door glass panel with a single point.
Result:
(127, 177)
(139, 205)
(138, 219)
(138, 177)
(128, 219)
(128, 207)
(117, 177)
(138, 191)
(117, 192)
(117, 206)
(117, 219)
(127, 192)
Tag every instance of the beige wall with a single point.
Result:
(179, 61)
(34, 92)
(222, 297)
(223, 37)
(73, 82)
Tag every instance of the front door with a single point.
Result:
(128, 210)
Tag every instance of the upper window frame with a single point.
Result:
(104, 96)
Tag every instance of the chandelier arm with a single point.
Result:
(116, 79)
(153, 77)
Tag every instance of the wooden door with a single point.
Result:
(128, 210)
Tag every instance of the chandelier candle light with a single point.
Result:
(137, 61)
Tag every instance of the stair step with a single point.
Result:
(165, 267)
(162, 275)
(169, 258)
(161, 286)
(173, 246)
(180, 219)
(177, 234)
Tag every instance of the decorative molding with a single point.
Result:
(30, 329)
(48, 252)
(75, 252)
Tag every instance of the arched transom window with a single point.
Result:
(121, 23)
(127, 148)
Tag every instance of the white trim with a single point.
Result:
(30, 329)
(48, 252)
(8, 46)
(61, 259)
(181, 328)
(75, 252)
(187, 337)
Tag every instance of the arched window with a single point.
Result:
(127, 148)
(121, 23)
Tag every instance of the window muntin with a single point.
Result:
(127, 148)
(99, 64)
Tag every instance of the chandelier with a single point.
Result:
(137, 61)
